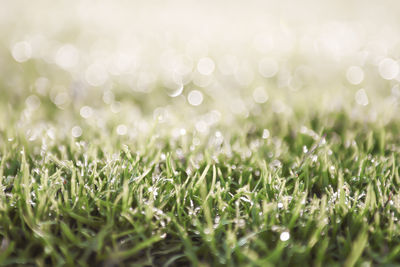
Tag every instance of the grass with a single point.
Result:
(224, 198)
(289, 158)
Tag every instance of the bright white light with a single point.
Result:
(361, 97)
(355, 75)
(206, 66)
(51, 133)
(182, 131)
(260, 95)
(67, 56)
(86, 112)
(265, 134)
(22, 51)
(76, 131)
(174, 89)
(388, 68)
(96, 75)
(195, 98)
(122, 129)
(285, 236)
(268, 67)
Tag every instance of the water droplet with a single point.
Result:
(122, 129)
(195, 98)
(76, 131)
(61, 99)
(388, 68)
(265, 134)
(174, 89)
(51, 133)
(207, 231)
(355, 75)
(284, 236)
(361, 97)
(108, 97)
(86, 112)
(260, 95)
(67, 56)
(22, 51)
(206, 66)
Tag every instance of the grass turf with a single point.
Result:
(315, 188)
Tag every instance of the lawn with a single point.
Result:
(267, 190)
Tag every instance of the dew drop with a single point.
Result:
(22, 51)
(195, 98)
(206, 66)
(355, 75)
(260, 95)
(265, 134)
(285, 236)
(388, 68)
(122, 129)
(67, 56)
(361, 97)
(76, 131)
(86, 112)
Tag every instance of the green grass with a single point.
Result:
(329, 180)
(308, 177)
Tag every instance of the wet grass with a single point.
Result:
(199, 134)
(318, 189)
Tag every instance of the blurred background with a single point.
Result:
(124, 66)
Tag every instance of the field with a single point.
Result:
(136, 150)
